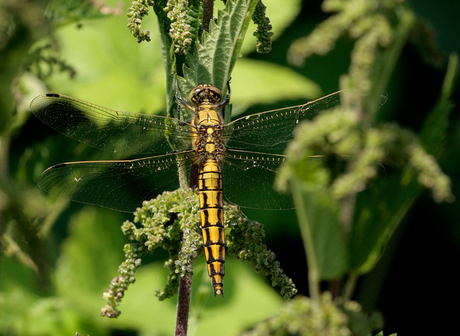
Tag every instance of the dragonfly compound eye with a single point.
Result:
(205, 93)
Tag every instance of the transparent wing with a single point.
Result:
(117, 185)
(271, 130)
(248, 180)
(111, 130)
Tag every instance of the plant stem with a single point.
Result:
(4, 146)
(349, 287)
(183, 305)
(208, 9)
(307, 238)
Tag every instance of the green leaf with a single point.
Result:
(322, 234)
(214, 58)
(166, 47)
(257, 82)
(62, 12)
(113, 70)
(90, 258)
(380, 210)
(434, 130)
(25, 310)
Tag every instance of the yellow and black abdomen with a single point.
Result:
(210, 149)
(212, 221)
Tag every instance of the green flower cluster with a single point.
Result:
(358, 17)
(263, 33)
(347, 131)
(137, 10)
(245, 242)
(172, 221)
(119, 284)
(366, 21)
(304, 316)
(339, 133)
(180, 30)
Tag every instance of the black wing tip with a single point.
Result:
(36, 103)
(53, 95)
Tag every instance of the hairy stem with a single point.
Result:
(183, 305)
(208, 9)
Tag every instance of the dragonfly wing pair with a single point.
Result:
(237, 161)
(123, 185)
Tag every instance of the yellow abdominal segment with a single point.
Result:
(212, 218)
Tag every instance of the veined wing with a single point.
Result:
(248, 180)
(110, 130)
(271, 130)
(118, 185)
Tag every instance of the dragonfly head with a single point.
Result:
(205, 94)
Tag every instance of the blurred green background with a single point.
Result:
(74, 250)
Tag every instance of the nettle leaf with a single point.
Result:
(214, 58)
(164, 25)
(213, 55)
(380, 210)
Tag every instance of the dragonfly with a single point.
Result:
(236, 162)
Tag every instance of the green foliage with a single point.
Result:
(172, 222)
(43, 62)
(85, 266)
(216, 55)
(64, 12)
(304, 316)
(355, 228)
(343, 233)
(380, 210)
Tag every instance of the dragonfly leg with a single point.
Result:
(180, 100)
(226, 101)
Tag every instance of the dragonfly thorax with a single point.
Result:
(209, 143)
(205, 94)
